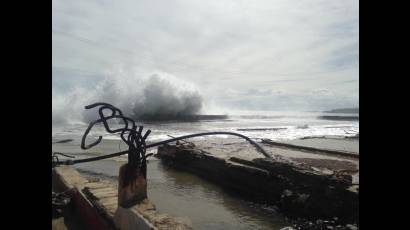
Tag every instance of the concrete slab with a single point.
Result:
(97, 204)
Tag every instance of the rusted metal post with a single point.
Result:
(132, 189)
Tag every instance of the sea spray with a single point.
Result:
(154, 95)
(163, 98)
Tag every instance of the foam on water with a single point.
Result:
(271, 128)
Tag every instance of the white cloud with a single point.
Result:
(291, 46)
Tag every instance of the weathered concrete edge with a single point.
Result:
(74, 182)
(88, 212)
(312, 149)
(126, 217)
(276, 179)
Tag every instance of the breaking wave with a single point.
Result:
(158, 95)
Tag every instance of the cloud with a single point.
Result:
(279, 100)
(292, 46)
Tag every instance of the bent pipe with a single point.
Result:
(256, 145)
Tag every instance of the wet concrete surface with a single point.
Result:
(333, 143)
(233, 147)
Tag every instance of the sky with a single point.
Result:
(244, 55)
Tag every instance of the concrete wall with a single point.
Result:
(97, 205)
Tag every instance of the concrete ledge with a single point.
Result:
(126, 217)
(312, 149)
(97, 205)
(298, 191)
(66, 178)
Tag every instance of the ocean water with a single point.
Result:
(275, 127)
(182, 194)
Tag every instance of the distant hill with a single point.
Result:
(345, 110)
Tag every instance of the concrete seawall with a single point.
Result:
(296, 190)
(96, 204)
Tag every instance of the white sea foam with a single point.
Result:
(256, 129)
